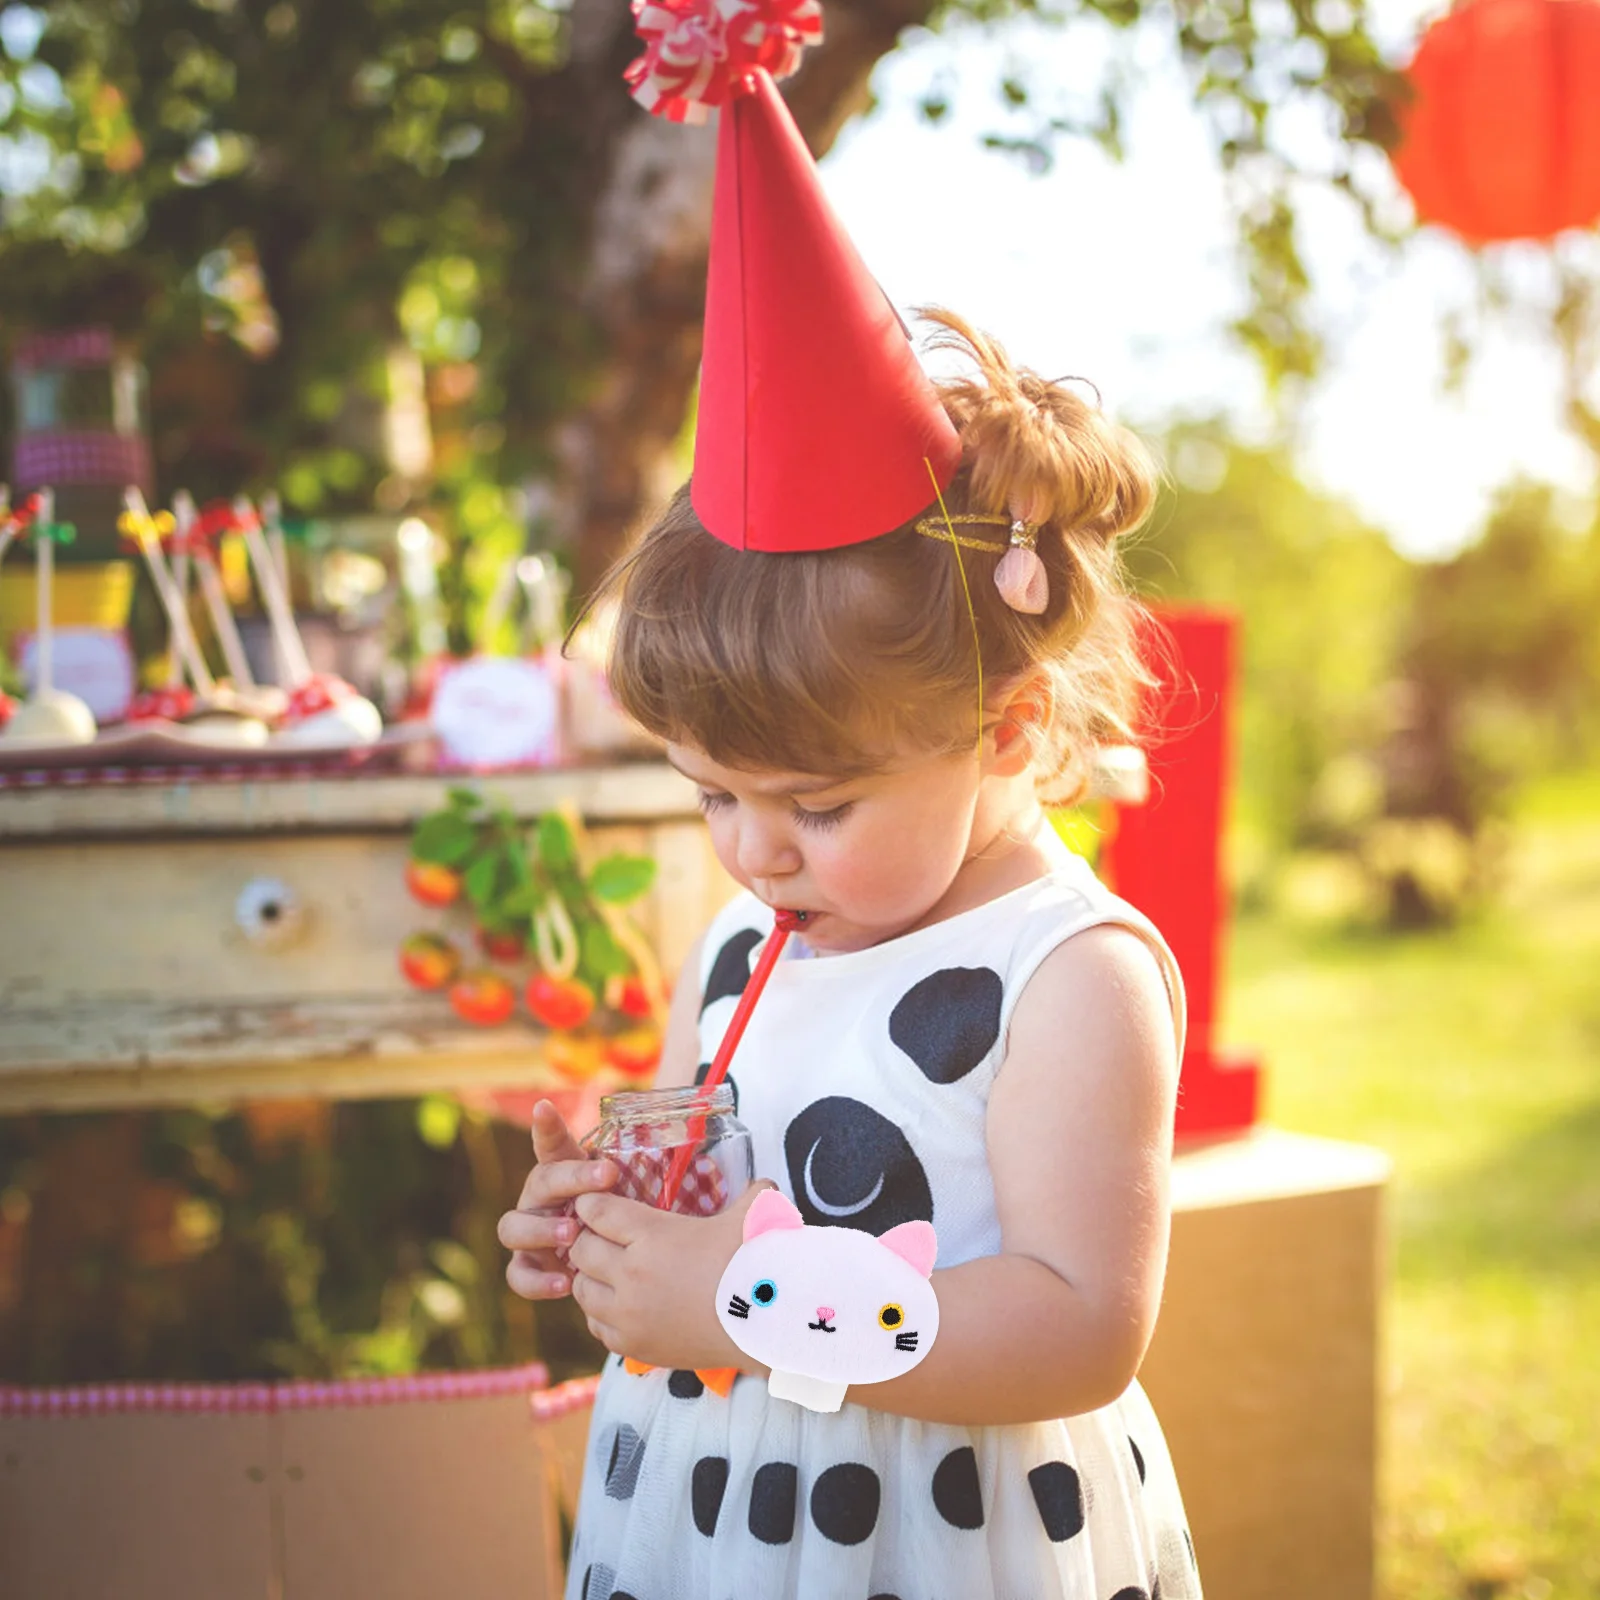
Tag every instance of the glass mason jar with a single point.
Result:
(642, 1130)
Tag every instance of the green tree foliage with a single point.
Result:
(1501, 661)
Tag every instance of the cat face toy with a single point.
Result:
(828, 1307)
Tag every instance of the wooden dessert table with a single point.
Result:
(215, 941)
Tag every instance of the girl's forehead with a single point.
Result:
(701, 768)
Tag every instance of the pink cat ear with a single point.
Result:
(915, 1242)
(771, 1210)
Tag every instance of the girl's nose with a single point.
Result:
(764, 851)
(824, 1313)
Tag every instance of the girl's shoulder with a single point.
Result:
(1070, 900)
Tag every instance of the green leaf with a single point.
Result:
(446, 837)
(482, 878)
(463, 799)
(620, 878)
(602, 956)
(518, 903)
(556, 846)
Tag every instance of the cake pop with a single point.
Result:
(323, 709)
(209, 710)
(201, 534)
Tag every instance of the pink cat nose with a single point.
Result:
(824, 1313)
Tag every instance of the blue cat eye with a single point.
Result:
(764, 1292)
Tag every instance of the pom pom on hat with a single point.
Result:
(700, 53)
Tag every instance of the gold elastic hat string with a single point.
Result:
(956, 542)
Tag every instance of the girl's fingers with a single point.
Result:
(595, 1299)
(607, 1335)
(597, 1259)
(556, 1182)
(531, 1277)
(525, 1231)
(552, 1138)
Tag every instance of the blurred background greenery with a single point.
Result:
(370, 256)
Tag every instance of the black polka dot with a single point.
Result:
(886, 1597)
(620, 1594)
(622, 1471)
(685, 1385)
(706, 1485)
(598, 1582)
(844, 1502)
(949, 1021)
(1138, 1458)
(1132, 1592)
(772, 1501)
(850, 1166)
(704, 1070)
(1059, 1497)
(730, 972)
(956, 1494)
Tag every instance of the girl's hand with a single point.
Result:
(537, 1229)
(647, 1279)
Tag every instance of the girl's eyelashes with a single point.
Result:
(823, 819)
(715, 800)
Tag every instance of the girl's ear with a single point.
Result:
(1025, 710)
(771, 1209)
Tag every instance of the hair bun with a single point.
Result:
(1032, 442)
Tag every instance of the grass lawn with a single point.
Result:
(1473, 1058)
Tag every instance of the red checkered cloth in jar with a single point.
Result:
(643, 1173)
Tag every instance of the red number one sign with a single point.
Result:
(1165, 855)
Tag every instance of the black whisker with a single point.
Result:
(905, 1341)
(738, 1306)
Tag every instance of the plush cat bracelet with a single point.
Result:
(827, 1307)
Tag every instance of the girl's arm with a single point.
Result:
(1080, 1143)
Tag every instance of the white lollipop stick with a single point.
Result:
(183, 640)
(180, 586)
(44, 552)
(216, 599)
(291, 649)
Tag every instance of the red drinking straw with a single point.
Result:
(783, 924)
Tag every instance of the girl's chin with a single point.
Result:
(826, 935)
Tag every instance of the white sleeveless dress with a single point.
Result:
(864, 1080)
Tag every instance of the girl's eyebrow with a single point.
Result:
(779, 786)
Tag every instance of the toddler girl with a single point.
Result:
(968, 1029)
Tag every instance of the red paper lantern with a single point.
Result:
(1501, 139)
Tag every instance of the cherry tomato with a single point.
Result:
(561, 1004)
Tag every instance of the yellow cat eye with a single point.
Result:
(891, 1317)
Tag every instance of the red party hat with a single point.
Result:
(817, 426)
